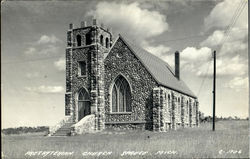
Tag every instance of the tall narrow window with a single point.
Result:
(107, 42)
(82, 68)
(169, 106)
(121, 96)
(179, 107)
(88, 39)
(101, 40)
(79, 40)
(187, 112)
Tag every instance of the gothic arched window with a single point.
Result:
(121, 96)
(107, 42)
(79, 40)
(101, 40)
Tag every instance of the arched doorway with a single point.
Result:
(83, 104)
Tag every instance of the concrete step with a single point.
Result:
(64, 130)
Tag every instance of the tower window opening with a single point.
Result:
(82, 68)
(101, 40)
(79, 40)
(88, 39)
(107, 42)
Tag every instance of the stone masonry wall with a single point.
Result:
(142, 84)
(172, 110)
(93, 82)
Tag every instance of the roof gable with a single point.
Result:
(159, 69)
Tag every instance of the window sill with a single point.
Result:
(111, 113)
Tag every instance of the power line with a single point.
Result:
(204, 78)
(235, 16)
(233, 21)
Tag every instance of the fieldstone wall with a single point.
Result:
(154, 107)
(121, 61)
(93, 82)
(170, 110)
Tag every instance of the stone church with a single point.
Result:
(123, 85)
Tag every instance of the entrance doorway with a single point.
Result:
(83, 104)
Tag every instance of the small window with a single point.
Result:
(88, 39)
(101, 40)
(79, 40)
(82, 68)
(107, 42)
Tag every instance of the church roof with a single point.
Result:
(159, 69)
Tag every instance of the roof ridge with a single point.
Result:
(164, 79)
(139, 47)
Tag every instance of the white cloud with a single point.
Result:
(45, 89)
(60, 64)
(214, 39)
(45, 39)
(236, 35)
(227, 66)
(30, 51)
(46, 50)
(130, 19)
(45, 45)
(237, 83)
(234, 43)
(223, 12)
(50, 49)
(192, 54)
(160, 51)
(32, 75)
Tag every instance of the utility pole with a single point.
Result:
(214, 89)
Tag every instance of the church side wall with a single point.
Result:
(142, 84)
(173, 110)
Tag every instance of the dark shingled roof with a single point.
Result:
(160, 70)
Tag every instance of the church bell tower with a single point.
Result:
(86, 48)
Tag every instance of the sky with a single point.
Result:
(33, 40)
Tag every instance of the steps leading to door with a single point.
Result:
(65, 130)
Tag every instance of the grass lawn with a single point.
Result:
(230, 140)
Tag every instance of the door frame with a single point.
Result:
(77, 101)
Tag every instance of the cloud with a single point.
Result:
(45, 39)
(237, 83)
(32, 75)
(60, 64)
(224, 67)
(50, 49)
(45, 45)
(130, 19)
(220, 37)
(222, 13)
(45, 89)
(30, 51)
(192, 54)
(160, 51)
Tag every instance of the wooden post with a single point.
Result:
(214, 89)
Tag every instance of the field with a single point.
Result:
(230, 140)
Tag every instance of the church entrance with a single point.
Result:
(83, 104)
